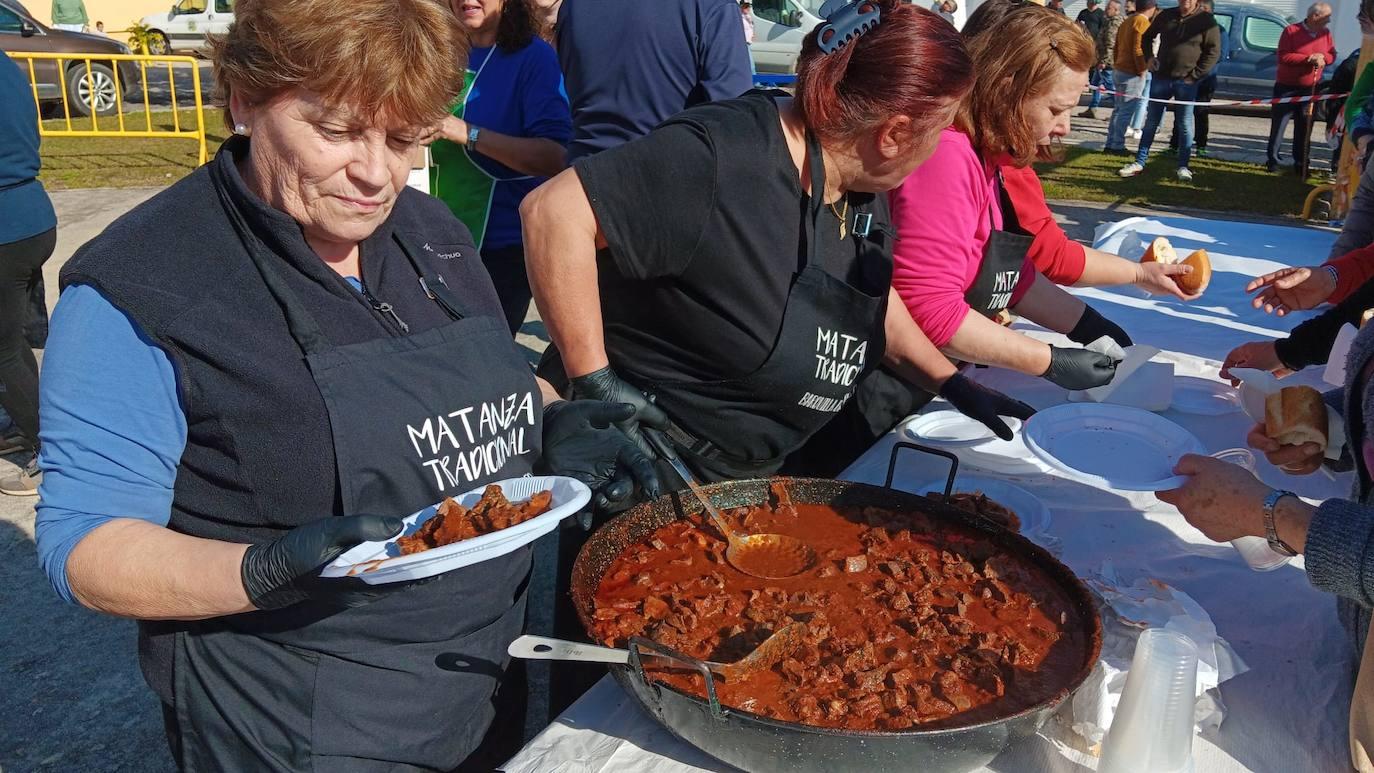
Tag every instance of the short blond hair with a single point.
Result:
(402, 59)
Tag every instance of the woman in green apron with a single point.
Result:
(505, 137)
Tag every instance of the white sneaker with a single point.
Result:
(24, 483)
(1130, 170)
(1184, 174)
(1132, 134)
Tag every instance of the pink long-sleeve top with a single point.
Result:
(944, 214)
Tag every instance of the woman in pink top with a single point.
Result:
(960, 261)
(960, 265)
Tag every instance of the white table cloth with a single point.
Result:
(1287, 713)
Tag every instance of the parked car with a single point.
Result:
(20, 32)
(185, 26)
(1253, 32)
(779, 27)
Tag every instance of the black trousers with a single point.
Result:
(18, 367)
(1280, 115)
(507, 268)
(1202, 116)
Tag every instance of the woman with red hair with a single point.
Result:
(729, 274)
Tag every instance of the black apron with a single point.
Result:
(884, 398)
(832, 335)
(405, 683)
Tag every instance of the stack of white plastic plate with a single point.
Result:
(972, 442)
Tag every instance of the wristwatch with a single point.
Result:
(474, 134)
(1271, 533)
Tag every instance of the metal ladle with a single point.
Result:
(773, 649)
(767, 556)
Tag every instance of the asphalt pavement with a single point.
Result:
(71, 696)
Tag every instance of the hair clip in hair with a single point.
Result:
(845, 22)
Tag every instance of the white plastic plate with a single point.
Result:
(378, 563)
(954, 428)
(1204, 397)
(1034, 515)
(1110, 446)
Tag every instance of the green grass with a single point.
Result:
(1224, 186)
(125, 162)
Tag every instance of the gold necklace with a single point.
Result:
(842, 216)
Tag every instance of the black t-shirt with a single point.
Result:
(705, 221)
(1092, 21)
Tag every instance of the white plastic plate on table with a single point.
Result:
(1110, 446)
(953, 428)
(1034, 515)
(378, 563)
(1204, 396)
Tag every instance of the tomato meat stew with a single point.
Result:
(912, 621)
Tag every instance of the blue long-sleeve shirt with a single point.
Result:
(113, 429)
(25, 209)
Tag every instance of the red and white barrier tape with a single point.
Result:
(1229, 103)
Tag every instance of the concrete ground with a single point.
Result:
(71, 696)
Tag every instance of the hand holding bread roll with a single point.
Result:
(1194, 282)
(1296, 415)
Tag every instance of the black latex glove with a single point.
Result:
(1076, 369)
(985, 405)
(287, 570)
(581, 441)
(1092, 326)
(606, 386)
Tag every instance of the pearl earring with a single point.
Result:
(241, 129)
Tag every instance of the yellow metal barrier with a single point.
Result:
(77, 70)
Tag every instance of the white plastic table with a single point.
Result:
(1286, 713)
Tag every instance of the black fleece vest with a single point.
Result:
(259, 456)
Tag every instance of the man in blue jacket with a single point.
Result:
(628, 65)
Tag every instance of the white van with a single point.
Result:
(184, 27)
(779, 26)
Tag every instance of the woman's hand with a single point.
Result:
(286, 571)
(452, 128)
(582, 442)
(1292, 289)
(1076, 369)
(985, 405)
(1158, 279)
(1092, 326)
(1294, 460)
(1259, 355)
(1222, 500)
(605, 385)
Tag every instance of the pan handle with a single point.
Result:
(953, 464)
(544, 648)
(638, 643)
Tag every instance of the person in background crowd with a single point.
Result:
(505, 137)
(100, 27)
(1104, 38)
(1062, 260)
(1057, 6)
(69, 15)
(1305, 48)
(28, 234)
(1189, 47)
(746, 12)
(1206, 89)
(1130, 7)
(1131, 73)
(546, 14)
(945, 9)
(1362, 93)
(230, 407)
(668, 55)
(960, 267)
(1092, 18)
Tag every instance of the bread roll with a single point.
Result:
(1296, 415)
(1159, 251)
(1366, 316)
(1196, 282)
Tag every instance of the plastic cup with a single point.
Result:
(1152, 731)
(1255, 551)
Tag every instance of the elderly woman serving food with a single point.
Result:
(315, 352)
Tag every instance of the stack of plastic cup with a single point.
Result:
(1254, 550)
(1152, 731)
